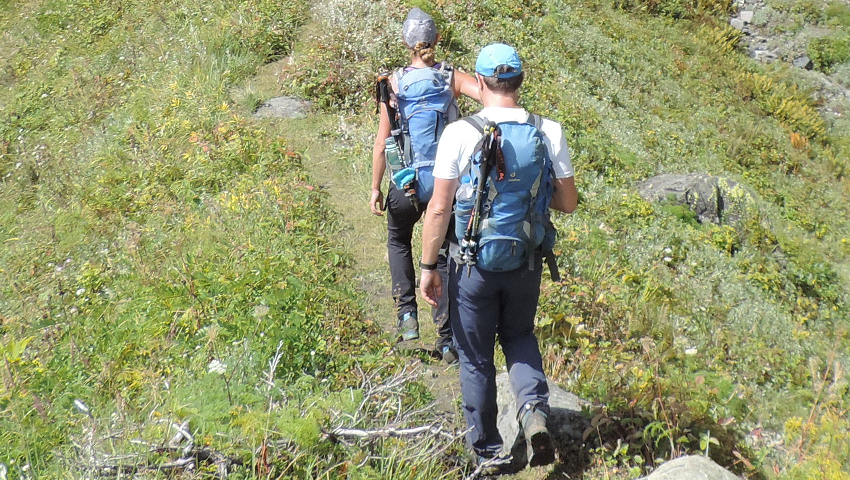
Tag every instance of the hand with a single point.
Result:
(431, 286)
(377, 202)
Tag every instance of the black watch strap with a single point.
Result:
(427, 266)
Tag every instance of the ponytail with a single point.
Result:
(426, 52)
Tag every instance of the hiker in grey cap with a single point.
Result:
(419, 27)
(419, 100)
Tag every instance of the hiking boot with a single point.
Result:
(533, 424)
(501, 464)
(408, 327)
(449, 354)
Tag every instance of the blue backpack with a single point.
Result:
(426, 104)
(515, 214)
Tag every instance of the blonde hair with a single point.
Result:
(426, 52)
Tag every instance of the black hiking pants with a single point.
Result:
(402, 216)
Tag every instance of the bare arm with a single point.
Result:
(379, 165)
(565, 197)
(434, 233)
(465, 84)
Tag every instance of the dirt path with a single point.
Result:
(341, 166)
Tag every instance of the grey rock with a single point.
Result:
(283, 107)
(714, 199)
(566, 422)
(737, 23)
(803, 62)
(747, 16)
(691, 468)
(766, 56)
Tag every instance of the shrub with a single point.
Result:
(826, 52)
(837, 13)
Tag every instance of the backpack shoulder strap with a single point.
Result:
(476, 121)
(448, 73)
(396, 78)
(535, 120)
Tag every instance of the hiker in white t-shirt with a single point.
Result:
(495, 271)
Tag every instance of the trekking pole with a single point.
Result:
(383, 96)
(489, 157)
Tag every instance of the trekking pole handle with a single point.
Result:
(489, 147)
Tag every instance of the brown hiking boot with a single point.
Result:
(533, 423)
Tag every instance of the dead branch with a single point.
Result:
(435, 430)
(123, 464)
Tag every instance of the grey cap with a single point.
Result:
(419, 27)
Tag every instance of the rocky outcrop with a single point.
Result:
(771, 36)
(691, 468)
(714, 199)
(566, 422)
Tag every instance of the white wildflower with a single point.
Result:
(81, 291)
(217, 367)
(82, 406)
(691, 351)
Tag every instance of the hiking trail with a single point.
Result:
(337, 154)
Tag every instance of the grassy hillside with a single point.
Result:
(692, 335)
(158, 248)
(161, 250)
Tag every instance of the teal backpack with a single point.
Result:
(513, 221)
(426, 104)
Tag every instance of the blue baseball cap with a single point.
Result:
(496, 55)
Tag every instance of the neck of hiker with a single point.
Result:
(417, 62)
(490, 98)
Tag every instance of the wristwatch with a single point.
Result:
(427, 266)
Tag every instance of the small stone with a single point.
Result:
(747, 16)
(765, 56)
(803, 62)
(283, 107)
(737, 23)
(692, 467)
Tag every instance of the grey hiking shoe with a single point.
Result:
(533, 423)
(408, 327)
(449, 354)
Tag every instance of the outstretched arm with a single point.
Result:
(465, 84)
(376, 201)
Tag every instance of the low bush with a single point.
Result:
(827, 52)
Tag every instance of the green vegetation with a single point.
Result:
(686, 332)
(826, 52)
(159, 247)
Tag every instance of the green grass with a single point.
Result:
(684, 331)
(149, 228)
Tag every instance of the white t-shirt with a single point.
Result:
(458, 140)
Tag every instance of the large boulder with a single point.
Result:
(566, 422)
(714, 199)
(691, 468)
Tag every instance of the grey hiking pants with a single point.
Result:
(484, 305)
(402, 216)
